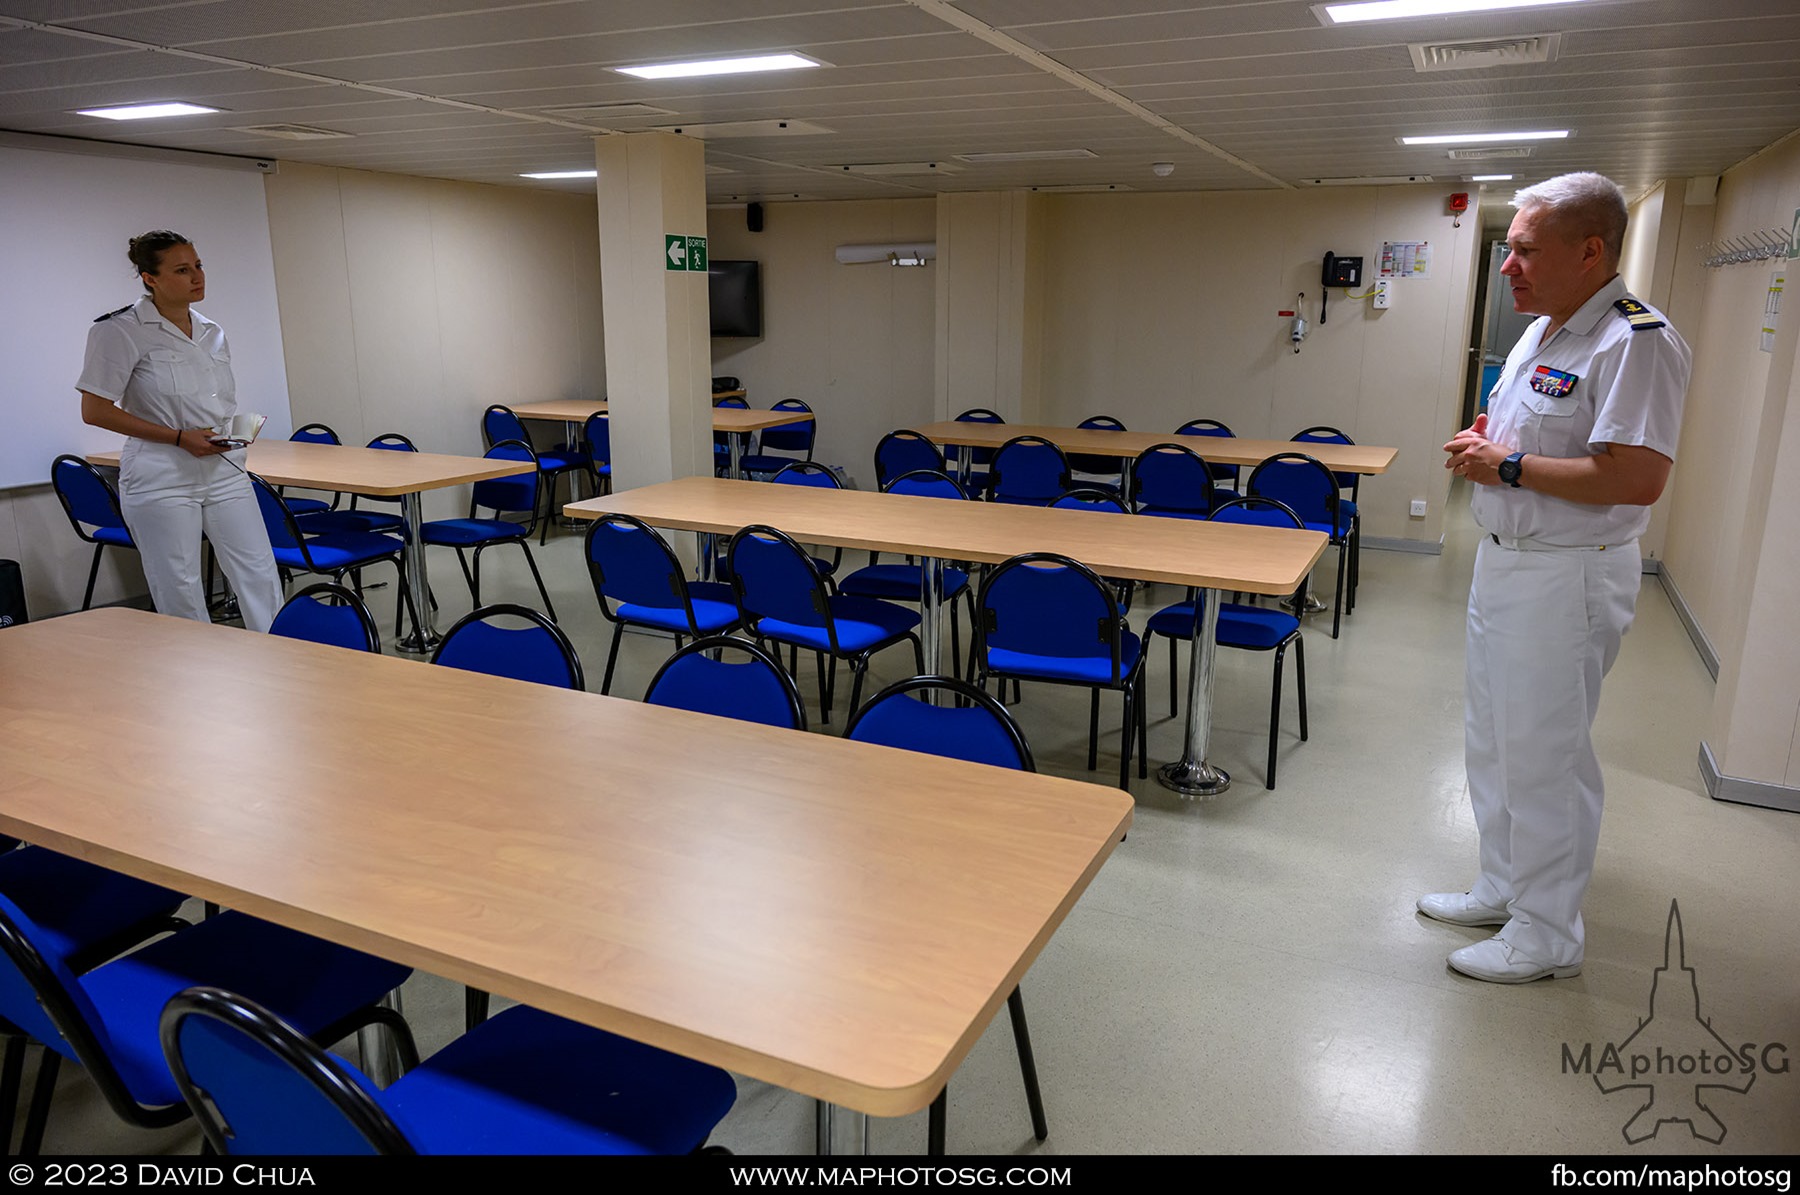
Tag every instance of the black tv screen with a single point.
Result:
(734, 293)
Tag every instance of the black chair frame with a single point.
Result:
(404, 605)
(678, 586)
(473, 578)
(1344, 542)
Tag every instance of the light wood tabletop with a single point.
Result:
(1218, 450)
(568, 410)
(379, 472)
(1208, 556)
(832, 917)
(1266, 560)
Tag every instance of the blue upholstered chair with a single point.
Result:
(1045, 617)
(1225, 477)
(598, 434)
(105, 1019)
(331, 555)
(1349, 487)
(1246, 627)
(93, 509)
(970, 465)
(639, 581)
(722, 440)
(525, 1082)
(906, 582)
(1310, 490)
(785, 600)
(904, 451)
(537, 652)
(313, 433)
(328, 614)
(517, 494)
(977, 728)
(1172, 481)
(1027, 471)
(1100, 501)
(1103, 471)
(367, 512)
(499, 424)
(796, 437)
(755, 689)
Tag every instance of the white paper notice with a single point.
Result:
(1772, 310)
(1405, 259)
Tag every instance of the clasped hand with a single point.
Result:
(1474, 456)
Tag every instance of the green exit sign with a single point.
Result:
(684, 253)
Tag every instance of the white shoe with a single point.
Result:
(1497, 962)
(1459, 908)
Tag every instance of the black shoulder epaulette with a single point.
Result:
(1637, 315)
(121, 311)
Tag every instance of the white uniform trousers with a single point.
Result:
(1544, 628)
(169, 497)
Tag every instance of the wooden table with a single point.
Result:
(378, 472)
(836, 918)
(738, 421)
(1208, 556)
(1218, 450)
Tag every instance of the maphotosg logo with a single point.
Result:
(1675, 1058)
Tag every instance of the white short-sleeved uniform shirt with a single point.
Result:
(1602, 379)
(146, 365)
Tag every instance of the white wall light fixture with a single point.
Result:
(910, 253)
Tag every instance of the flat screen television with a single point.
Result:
(734, 294)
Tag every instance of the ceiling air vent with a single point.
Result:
(1478, 55)
(1490, 155)
(605, 113)
(291, 132)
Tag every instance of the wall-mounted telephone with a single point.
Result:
(1341, 271)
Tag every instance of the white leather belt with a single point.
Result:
(1533, 545)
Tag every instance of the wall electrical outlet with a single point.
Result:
(1383, 299)
(1418, 508)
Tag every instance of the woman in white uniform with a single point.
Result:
(160, 372)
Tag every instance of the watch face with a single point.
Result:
(1509, 471)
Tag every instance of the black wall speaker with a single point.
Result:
(753, 217)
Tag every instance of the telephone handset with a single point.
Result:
(1337, 271)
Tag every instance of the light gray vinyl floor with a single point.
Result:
(1248, 974)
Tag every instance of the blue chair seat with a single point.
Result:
(862, 625)
(898, 582)
(340, 522)
(715, 611)
(530, 1082)
(118, 537)
(1089, 670)
(554, 462)
(75, 903)
(464, 533)
(342, 550)
(308, 979)
(308, 506)
(1252, 627)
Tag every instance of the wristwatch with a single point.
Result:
(1509, 469)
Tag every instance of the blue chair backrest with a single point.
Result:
(1028, 469)
(978, 456)
(515, 494)
(752, 690)
(630, 562)
(775, 578)
(267, 1090)
(315, 433)
(1171, 477)
(808, 473)
(499, 423)
(791, 437)
(926, 483)
(980, 732)
(599, 437)
(39, 994)
(904, 451)
(1212, 427)
(1083, 498)
(1257, 512)
(277, 519)
(84, 493)
(393, 442)
(1329, 435)
(1093, 462)
(537, 652)
(1048, 605)
(1299, 482)
(343, 622)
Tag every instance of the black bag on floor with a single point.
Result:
(12, 594)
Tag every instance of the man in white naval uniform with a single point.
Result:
(1577, 443)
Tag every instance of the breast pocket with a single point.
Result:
(224, 385)
(172, 373)
(1550, 427)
